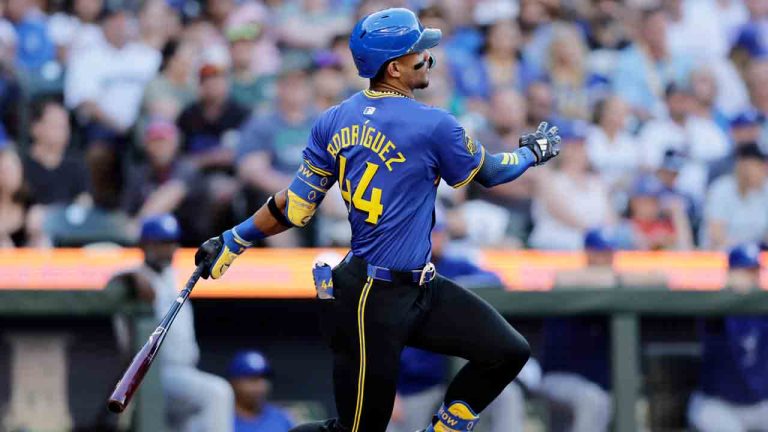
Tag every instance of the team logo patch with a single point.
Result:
(369, 110)
(470, 144)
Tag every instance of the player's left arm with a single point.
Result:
(535, 149)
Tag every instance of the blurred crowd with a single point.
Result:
(117, 110)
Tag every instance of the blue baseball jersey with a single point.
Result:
(735, 359)
(388, 153)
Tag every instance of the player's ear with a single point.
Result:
(393, 68)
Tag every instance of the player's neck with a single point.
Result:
(389, 87)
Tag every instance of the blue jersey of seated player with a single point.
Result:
(271, 419)
(388, 154)
(735, 359)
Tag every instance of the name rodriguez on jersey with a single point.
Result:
(368, 137)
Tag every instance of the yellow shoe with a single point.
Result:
(459, 417)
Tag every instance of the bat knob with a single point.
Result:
(115, 406)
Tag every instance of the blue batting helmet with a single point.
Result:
(161, 228)
(388, 34)
(744, 256)
(249, 364)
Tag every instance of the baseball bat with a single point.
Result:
(141, 362)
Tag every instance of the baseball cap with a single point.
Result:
(647, 186)
(243, 32)
(160, 129)
(749, 117)
(250, 363)
(744, 256)
(597, 239)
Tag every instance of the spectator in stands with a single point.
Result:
(737, 205)
(163, 183)
(52, 176)
(106, 83)
(328, 80)
(654, 223)
(13, 209)
(646, 68)
(575, 87)
(34, 48)
(271, 143)
(158, 23)
(248, 88)
(508, 207)
(77, 33)
(575, 353)
(105, 86)
(250, 374)
(500, 64)
(733, 392)
(540, 100)
(320, 21)
(195, 400)
(757, 81)
(705, 91)
(699, 139)
(210, 124)
(606, 36)
(174, 88)
(751, 36)
(612, 150)
(266, 60)
(561, 221)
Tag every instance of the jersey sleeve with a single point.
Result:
(459, 157)
(315, 155)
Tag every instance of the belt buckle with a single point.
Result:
(427, 272)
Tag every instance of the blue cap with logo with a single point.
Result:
(160, 228)
(249, 364)
(597, 239)
(744, 256)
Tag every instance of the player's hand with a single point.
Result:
(217, 254)
(544, 143)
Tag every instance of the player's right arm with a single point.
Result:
(293, 206)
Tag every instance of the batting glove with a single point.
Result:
(217, 254)
(544, 143)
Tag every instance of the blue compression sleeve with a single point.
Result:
(504, 167)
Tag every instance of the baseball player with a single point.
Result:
(197, 401)
(251, 377)
(388, 152)
(733, 394)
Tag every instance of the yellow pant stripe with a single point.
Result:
(361, 337)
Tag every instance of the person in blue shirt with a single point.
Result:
(250, 374)
(388, 153)
(733, 390)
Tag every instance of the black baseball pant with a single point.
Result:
(370, 321)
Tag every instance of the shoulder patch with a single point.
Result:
(470, 144)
